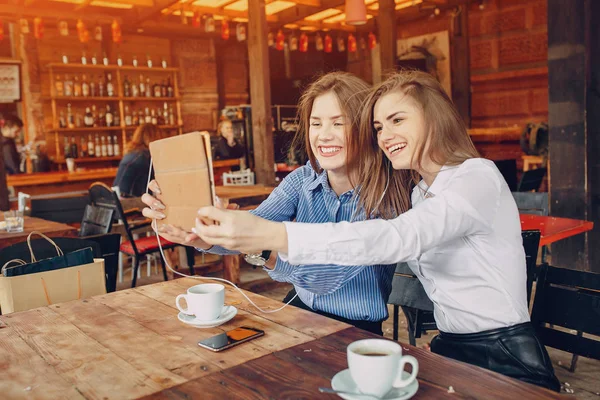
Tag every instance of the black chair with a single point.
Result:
(67, 208)
(531, 180)
(103, 196)
(508, 169)
(408, 293)
(109, 245)
(96, 220)
(532, 202)
(568, 299)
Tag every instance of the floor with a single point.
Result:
(584, 383)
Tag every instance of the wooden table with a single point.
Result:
(554, 229)
(129, 344)
(49, 228)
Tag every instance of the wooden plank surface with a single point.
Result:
(49, 228)
(553, 229)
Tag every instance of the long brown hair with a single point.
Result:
(447, 143)
(143, 135)
(350, 92)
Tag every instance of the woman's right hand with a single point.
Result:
(171, 233)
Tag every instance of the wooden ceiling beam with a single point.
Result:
(301, 11)
(55, 14)
(216, 11)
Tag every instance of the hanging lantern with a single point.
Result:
(196, 19)
(209, 24)
(341, 45)
(82, 32)
(328, 47)
(225, 29)
(38, 28)
(351, 43)
(63, 28)
(356, 12)
(279, 40)
(270, 39)
(24, 26)
(372, 41)
(116, 32)
(98, 33)
(303, 43)
(319, 42)
(293, 42)
(240, 32)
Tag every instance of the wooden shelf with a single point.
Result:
(86, 98)
(89, 160)
(92, 129)
(112, 67)
(146, 69)
(140, 98)
(133, 127)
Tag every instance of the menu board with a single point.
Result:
(10, 83)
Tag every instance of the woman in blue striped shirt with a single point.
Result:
(323, 190)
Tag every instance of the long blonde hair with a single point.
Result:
(447, 141)
(350, 92)
(143, 135)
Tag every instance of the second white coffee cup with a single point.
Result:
(204, 301)
(377, 365)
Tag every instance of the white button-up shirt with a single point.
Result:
(462, 239)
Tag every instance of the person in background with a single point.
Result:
(227, 146)
(11, 130)
(132, 174)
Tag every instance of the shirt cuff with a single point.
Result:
(304, 245)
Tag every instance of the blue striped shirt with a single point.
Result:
(355, 292)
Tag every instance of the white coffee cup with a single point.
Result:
(204, 301)
(376, 365)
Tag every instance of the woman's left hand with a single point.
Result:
(241, 231)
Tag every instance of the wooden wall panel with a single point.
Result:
(235, 72)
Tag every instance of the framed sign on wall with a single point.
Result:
(10, 81)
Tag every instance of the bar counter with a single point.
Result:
(56, 182)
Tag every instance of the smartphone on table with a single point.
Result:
(231, 338)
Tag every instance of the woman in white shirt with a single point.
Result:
(462, 238)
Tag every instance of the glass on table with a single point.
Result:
(14, 221)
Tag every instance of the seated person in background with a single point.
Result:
(11, 129)
(132, 174)
(227, 147)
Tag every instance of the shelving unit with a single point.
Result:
(118, 100)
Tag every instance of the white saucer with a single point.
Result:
(227, 314)
(343, 381)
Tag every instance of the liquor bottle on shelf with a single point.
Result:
(68, 86)
(97, 148)
(100, 86)
(70, 118)
(66, 148)
(134, 119)
(127, 116)
(101, 119)
(74, 152)
(94, 114)
(109, 116)
(76, 87)
(148, 88)
(78, 120)
(65, 59)
(135, 92)
(59, 88)
(105, 59)
(153, 120)
(88, 120)
(110, 89)
(119, 60)
(147, 117)
(84, 58)
(94, 59)
(141, 118)
(62, 122)
(109, 147)
(116, 149)
(82, 147)
(148, 61)
(169, 88)
(85, 87)
(171, 116)
(92, 88)
(156, 89)
(103, 147)
(163, 89)
(126, 87)
(135, 61)
(142, 86)
(90, 146)
(116, 119)
(164, 63)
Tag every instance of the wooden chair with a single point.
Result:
(508, 169)
(531, 180)
(408, 293)
(103, 196)
(109, 245)
(96, 220)
(568, 299)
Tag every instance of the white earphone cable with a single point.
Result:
(154, 228)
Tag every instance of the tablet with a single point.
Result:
(183, 170)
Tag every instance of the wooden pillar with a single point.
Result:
(461, 77)
(260, 93)
(573, 76)
(388, 32)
